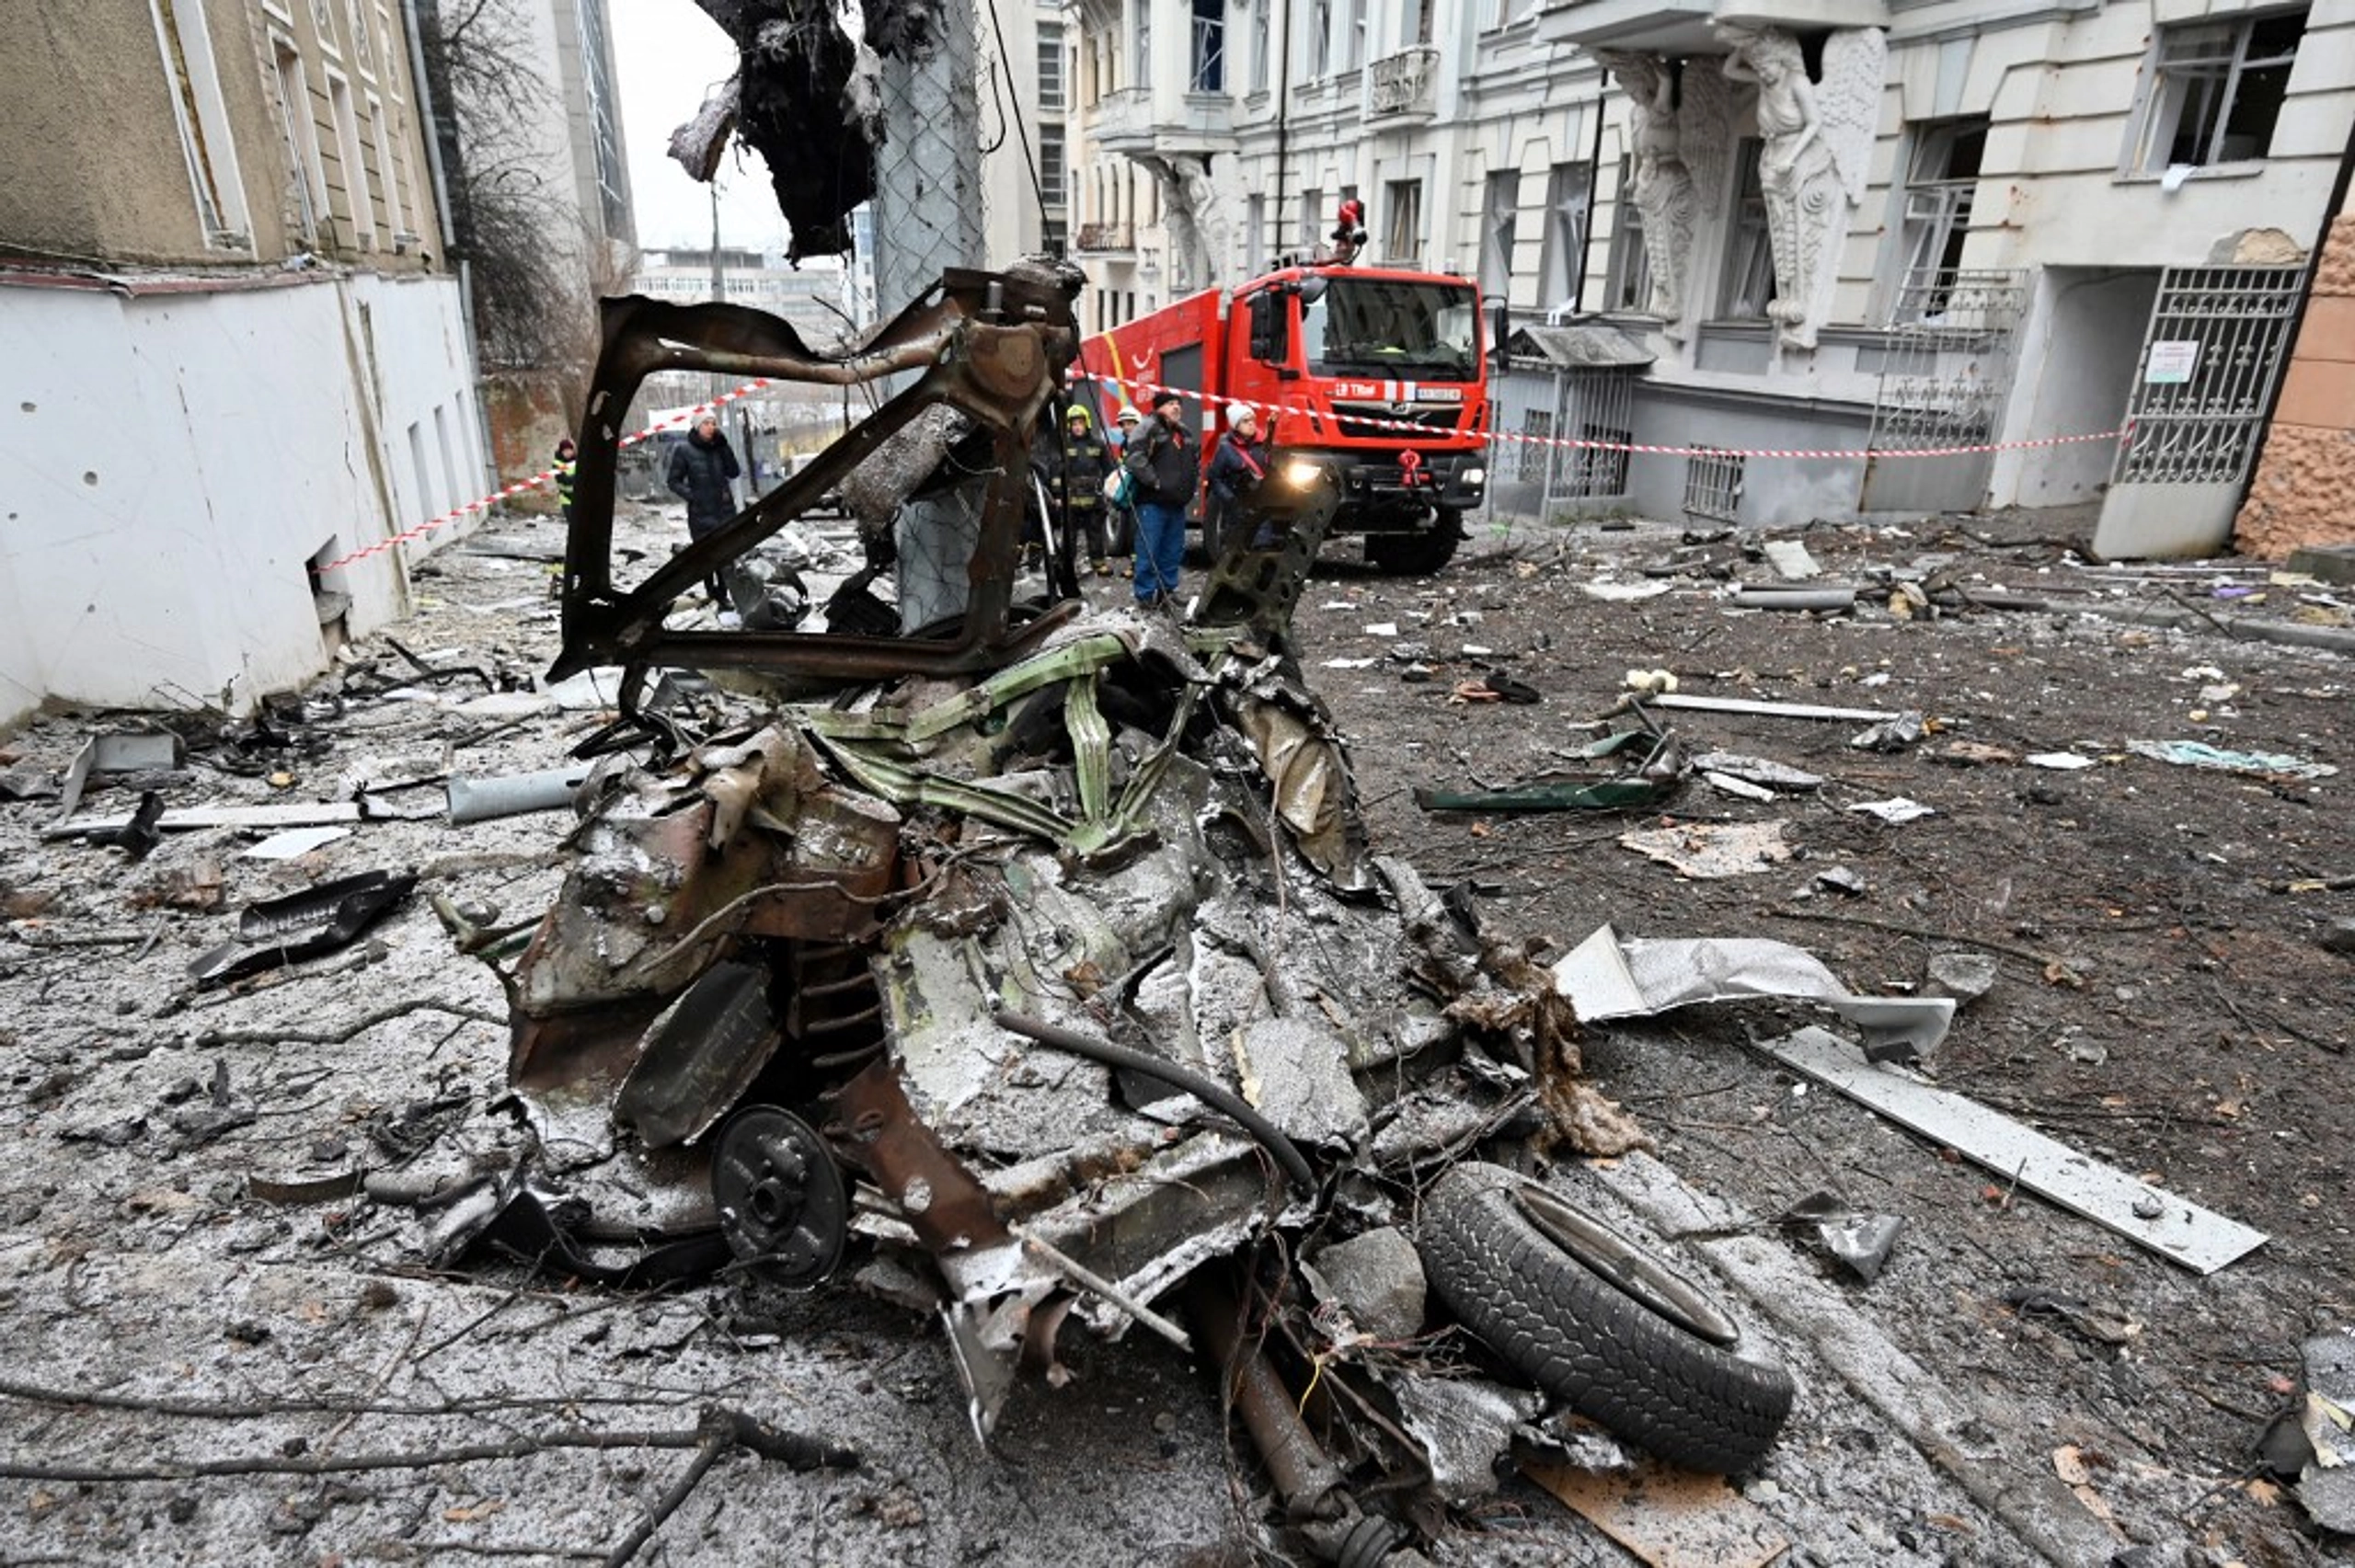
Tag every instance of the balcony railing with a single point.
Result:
(1098, 239)
(1405, 82)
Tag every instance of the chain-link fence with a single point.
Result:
(928, 209)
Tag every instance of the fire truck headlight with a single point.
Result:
(1301, 472)
(1476, 478)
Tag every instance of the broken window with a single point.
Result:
(1404, 241)
(302, 140)
(1564, 258)
(1259, 50)
(1629, 286)
(1208, 72)
(1939, 184)
(203, 125)
(1502, 208)
(349, 165)
(1749, 254)
(2215, 91)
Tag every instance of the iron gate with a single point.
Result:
(1946, 370)
(2196, 416)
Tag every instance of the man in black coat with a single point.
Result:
(703, 472)
(1161, 458)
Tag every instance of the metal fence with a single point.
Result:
(2214, 347)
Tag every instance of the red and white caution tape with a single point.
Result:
(1130, 387)
(546, 477)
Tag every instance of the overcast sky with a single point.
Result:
(669, 54)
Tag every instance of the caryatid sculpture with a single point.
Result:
(1663, 186)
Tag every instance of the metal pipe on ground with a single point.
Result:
(2339, 639)
(481, 800)
(1309, 1481)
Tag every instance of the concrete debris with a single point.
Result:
(1790, 560)
(1465, 1427)
(1894, 811)
(2326, 1420)
(1963, 976)
(1705, 852)
(1377, 1278)
(1759, 770)
(2339, 936)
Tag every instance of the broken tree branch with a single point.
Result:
(344, 1036)
(790, 1449)
(1924, 933)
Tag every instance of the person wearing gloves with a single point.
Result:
(1076, 465)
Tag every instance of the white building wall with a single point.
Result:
(175, 459)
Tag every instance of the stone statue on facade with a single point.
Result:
(1818, 137)
(1663, 185)
(1194, 215)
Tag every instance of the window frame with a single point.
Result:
(1402, 229)
(1749, 244)
(2164, 100)
(1562, 250)
(1627, 273)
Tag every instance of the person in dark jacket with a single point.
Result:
(565, 453)
(1161, 457)
(1076, 466)
(1237, 466)
(703, 472)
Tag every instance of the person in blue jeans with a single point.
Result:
(1161, 459)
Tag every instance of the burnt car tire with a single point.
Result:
(1597, 1323)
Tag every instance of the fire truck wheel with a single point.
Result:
(1598, 1322)
(1416, 555)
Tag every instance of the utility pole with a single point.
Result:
(928, 170)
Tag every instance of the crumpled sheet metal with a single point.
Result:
(986, 344)
(1608, 976)
(1313, 795)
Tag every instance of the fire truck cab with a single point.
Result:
(1369, 379)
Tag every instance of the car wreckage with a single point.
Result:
(1025, 962)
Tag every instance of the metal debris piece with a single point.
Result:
(482, 800)
(2058, 762)
(2178, 1230)
(1759, 770)
(1895, 810)
(180, 819)
(1705, 852)
(1785, 596)
(294, 843)
(1766, 710)
(1658, 772)
(1858, 1241)
(1467, 1427)
(301, 925)
(2326, 1418)
(1606, 977)
(1894, 734)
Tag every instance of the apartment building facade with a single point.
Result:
(237, 353)
(1865, 228)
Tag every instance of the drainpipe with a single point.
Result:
(427, 124)
(2331, 209)
(1283, 119)
(1585, 228)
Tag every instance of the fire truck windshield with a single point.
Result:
(1388, 326)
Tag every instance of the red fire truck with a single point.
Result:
(1372, 379)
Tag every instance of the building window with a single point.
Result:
(1312, 210)
(1713, 485)
(1320, 39)
(1207, 61)
(351, 164)
(2216, 90)
(1749, 255)
(1052, 164)
(1058, 238)
(1537, 450)
(1502, 208)
(301, 139)
(1940, 180)
(380, 136)
(1261, 33)
(1353, 42)
(1629, 286)
(1255, 233)
(1050, 65)
(1563, 260)
(1403, 235)
(197, 105)
(1141, 76)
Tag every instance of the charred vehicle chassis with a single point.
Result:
(1031, 965)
